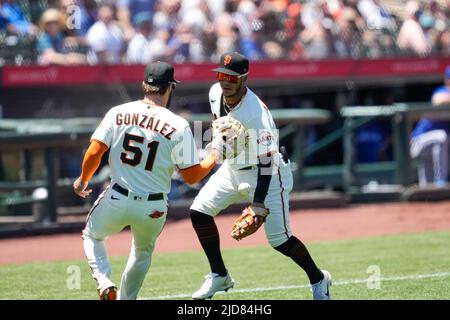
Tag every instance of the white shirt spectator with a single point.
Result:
(376, 17)
(216, 7)
(311, 14)
(136, 49)
(156, 48)
(105, 38)
(411, 37)
(142, 50)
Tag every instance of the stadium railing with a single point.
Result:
(48, 135)
(402, 117)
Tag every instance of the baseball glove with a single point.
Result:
(251, 219)
(229, 136)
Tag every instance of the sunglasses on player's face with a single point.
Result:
(226, 77)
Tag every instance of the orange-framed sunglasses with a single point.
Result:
(226, 77)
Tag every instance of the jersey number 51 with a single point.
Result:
(133, 154)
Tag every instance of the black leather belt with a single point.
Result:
(151, 197)
(249, 167)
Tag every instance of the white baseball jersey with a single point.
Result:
(146, 142)
(238, 179)
(257, 120)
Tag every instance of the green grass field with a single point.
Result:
(412, 266)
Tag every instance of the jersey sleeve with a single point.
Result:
(105, 130)
(264, 138)
(215, 95)
(263, 134)
(184, 153)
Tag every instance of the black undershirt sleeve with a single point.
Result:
(265, 164)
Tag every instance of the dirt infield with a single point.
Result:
(309, 225)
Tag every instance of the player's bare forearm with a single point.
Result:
(198, 172)
(90, 164)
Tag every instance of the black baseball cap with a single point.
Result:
(232, 63)
(159, 73)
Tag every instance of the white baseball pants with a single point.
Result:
(112, 212)
(431, 148)
(222, 190)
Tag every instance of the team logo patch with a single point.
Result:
(265, 138)
(156, 214)
(227, 60)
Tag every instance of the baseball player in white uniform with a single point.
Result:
(259, 174)
(146, 143)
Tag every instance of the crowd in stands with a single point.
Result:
(70, 32)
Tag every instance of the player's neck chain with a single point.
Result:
(228, 108)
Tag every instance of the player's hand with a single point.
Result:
(260, 212)
(79, 187)
(251, 219)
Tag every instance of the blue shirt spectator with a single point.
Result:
(13, 12)
(4, 22)
(137, 6)
(250, 48)
(46, 41)
(88, 16)
(52, 45)
(127, 10)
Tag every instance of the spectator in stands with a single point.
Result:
(311, 14)
(127, 11)
(157, 48)
(348, 43)
(443, 43)
(292, 28)
(167, 15)
(440, 16)
(178, 47)
(261, 29)
(12, 11)
(196, 15)
(80, 15)
(244, 25)
(5, 24)
(105, 38)
(226, 30)
(376, 15)
(441, 27)
(52, 46)
(147, 45)
(273, 31)
(318, 40)
(430, 141)
(139, 44)
(252, 44)
(412, 36)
